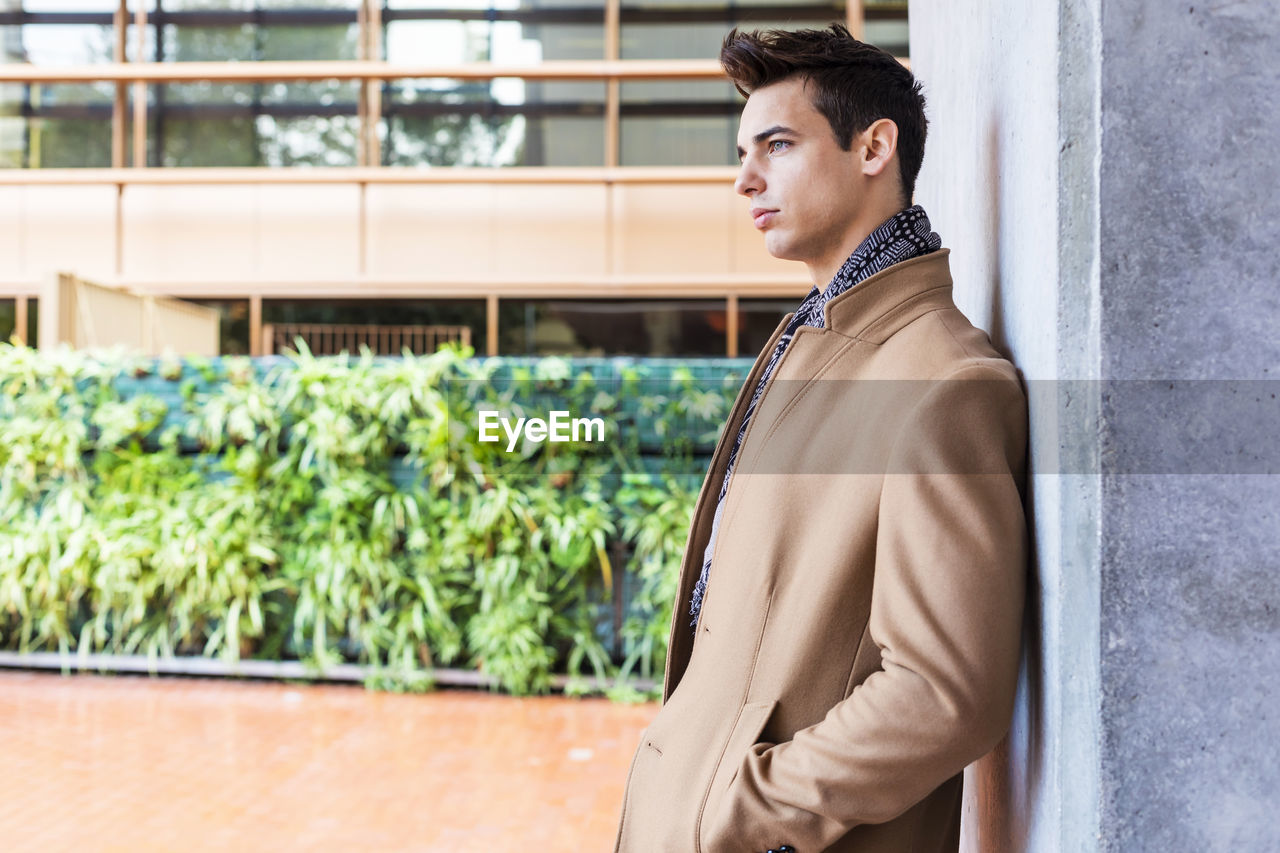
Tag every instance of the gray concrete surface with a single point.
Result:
(1009, 181)
(1105, 176)
(1190, 563)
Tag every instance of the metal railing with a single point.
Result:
(333, 338)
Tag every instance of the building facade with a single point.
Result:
(553, 175)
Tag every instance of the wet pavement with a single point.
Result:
(128, 763)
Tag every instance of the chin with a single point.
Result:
(777, 245)
(785, 252)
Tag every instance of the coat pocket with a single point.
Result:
(751, 721)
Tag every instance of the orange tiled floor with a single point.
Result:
(137, 764)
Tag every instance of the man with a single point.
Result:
(847, 624)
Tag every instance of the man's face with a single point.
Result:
(805, 191)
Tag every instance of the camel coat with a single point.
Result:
(858, 643)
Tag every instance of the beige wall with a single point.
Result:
(237, 236)
(48, 228)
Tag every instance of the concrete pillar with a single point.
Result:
(1105, 177)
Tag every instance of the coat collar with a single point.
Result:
(875, 308)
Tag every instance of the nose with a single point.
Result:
(749, 180)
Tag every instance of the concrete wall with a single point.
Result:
(990, 182)
(1190, 216)
(1105, 178)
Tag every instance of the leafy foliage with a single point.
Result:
(343, 509)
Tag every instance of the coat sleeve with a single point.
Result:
(946, 614)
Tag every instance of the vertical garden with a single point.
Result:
(342, 509)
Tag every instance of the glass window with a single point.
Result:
(502, 122)
(649, 36)
(691, 123)
(83, 36)
(690, 30)
(60, 124)
(505, 122)
(650, 327)
(59, 43)
(55, 125)
(681, 122)
(9, 319)
(891, 34)
(33, 322)
(314, 35)
(275, 123)
(270, 124)
(185, 43)
(466, 123)
(8, 311)
(680, 140)
(757, 320)
(379, 312)
(233, 324)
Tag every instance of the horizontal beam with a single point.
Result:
(267, 71)
(317, 16)
(392, 108)
(693, 286)
(175, 176)
(548, 287)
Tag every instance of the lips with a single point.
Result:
(762, 216)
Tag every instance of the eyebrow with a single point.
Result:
(765, 134)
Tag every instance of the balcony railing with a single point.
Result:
(333, 338)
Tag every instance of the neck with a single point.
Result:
(822, 271)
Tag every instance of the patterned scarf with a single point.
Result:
(901, 237)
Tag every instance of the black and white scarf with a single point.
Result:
(901, 237)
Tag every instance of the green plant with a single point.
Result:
(657, 515)
(342, 509)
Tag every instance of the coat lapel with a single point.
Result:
(680, 641)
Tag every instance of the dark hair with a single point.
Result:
(854, 84)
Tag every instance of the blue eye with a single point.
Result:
(773, 145)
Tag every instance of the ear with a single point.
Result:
(879, 144)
